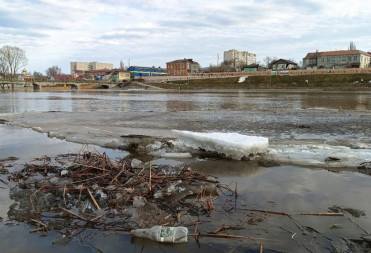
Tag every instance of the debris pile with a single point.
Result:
(101, 193)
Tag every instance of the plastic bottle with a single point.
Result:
(163, 234)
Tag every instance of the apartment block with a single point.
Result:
(89, 66)
(238, 59)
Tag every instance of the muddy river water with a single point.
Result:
(321, 139)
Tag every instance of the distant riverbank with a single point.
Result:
(331, 81)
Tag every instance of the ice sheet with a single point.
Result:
(232, 144)
(317, 155)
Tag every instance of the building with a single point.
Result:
(119, 75)
(182, 67)
(337, 59)
(24, 76)
(237, 59)
(251, 67)
(137, 72)
(97, 74)
(89, 66)
(283, 64)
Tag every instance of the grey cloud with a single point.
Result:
(118, 36)
(7, 21)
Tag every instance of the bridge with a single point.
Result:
(47, 85)
(4, 84)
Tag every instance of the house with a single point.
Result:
(283, 64)
(310, 60)
(182, 67)
(251, 67)
(337, 59)
(137, 72)
(120, 75)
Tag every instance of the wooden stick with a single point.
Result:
(288, 214)
(150, 176)
(97, 218)
(73, 214)
(320, 214)
(122, 170)
(33, 208)
(64, 195)
(37, 230)
(80, 192)
(93, 199)
(230, 236)
(104, 162)
(40, 222)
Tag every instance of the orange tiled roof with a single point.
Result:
(336, 53)
(312, 55)
(343, 52)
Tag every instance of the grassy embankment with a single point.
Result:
(275, 82)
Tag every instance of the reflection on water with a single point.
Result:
(228, 168)
(116, 100)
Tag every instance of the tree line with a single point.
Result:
(13, 59)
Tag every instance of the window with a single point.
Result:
(355, 58)
(322, 59)
(349, 58)
(328, 58)
(343, 58)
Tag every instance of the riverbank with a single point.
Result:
(323, 81)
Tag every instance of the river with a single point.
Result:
(304, 128)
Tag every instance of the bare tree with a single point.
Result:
(122, 65)
(352, 46)
(12, 59)
(53, 71)
(225, 66)
(37, 75)
(267, 60)
(3, 67)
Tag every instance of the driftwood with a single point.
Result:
(291, 214)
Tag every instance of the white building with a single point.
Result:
(238, 59)
(337, 59)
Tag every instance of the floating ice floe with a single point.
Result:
(323, 155)
(232, 144)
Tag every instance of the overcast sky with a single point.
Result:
(151, 33)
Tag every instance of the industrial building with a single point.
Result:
(137, 72)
